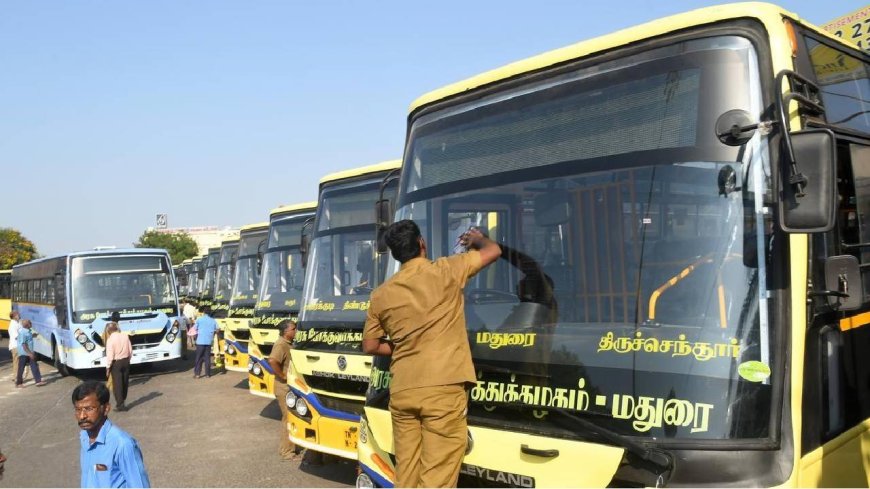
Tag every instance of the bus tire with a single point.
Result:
(61, 367)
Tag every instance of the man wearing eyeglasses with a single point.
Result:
(110, 457)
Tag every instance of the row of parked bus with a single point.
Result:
(688, 304)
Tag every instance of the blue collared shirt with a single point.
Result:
(205, 328)
(25, 337)
(112, 460)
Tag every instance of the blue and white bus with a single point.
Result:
(70, 298)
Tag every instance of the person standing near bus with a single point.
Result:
(279, 360)
(109, 456)
(14, 328)
(420, 308)
(27, 355)
(119, 349)
(206, 327)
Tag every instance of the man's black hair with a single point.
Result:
(283, 325)
(89, 387)
(402, 237)
(116, 316)
(206, 310)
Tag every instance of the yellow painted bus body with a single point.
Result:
(796, 410)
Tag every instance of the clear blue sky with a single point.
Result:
(217, 111)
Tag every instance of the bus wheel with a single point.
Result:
(60, 366)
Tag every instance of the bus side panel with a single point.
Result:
(842, 462)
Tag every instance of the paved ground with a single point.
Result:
(193, 433)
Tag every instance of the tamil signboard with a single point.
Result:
(854, 27)
(162, 221)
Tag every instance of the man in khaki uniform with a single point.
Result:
(279, 360)
(421, 309)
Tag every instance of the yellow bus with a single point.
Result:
(246, 280)
(280, 294)
(196, 275)
(5, 300)
(229, 252)
(208, 273)
(329, 374)
(683, 213)
(183, 275)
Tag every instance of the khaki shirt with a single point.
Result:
(421, 309)
(281, 354)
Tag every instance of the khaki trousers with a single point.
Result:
(286, 447)
(14, 353)
(430, 433)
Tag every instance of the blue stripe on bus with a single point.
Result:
(325, 411)
(238, 346)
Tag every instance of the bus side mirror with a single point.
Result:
(813, 211)
(259, 261)
(843, 282)
(383, 216)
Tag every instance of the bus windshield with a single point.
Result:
(341, 264)
(225, 272)
(123, 283)
(283, 274)
(632, 284)
(247, 275)
(208, 284)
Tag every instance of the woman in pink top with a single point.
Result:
(118, 353)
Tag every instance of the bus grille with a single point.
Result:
(242, 334)
(340, 386)
(340, 404)
(147, 339)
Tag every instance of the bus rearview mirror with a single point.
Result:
(552, 208)
(814, 210)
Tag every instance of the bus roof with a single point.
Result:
(5, 272)
(356, 172)
(254, 227)
(770, 15)
(117, 251)
(295, 207)
(229, 242)
(213, 249)
(185, 262)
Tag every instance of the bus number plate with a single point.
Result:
(350, 438)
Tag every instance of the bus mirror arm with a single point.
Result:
(843, 283)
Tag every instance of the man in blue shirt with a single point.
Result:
(109, 457)
(205, 331)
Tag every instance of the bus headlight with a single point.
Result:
(174, 328)
(257, 370)
(363, 480)
(90, 346)
(231, 350)
(301, 408)
(170, 337)
(290, 399)
(81, 337)
(250, 365)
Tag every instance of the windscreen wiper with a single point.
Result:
(661, 459)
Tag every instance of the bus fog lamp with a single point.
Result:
(250, 365)
(301, 408)
(290, 399)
